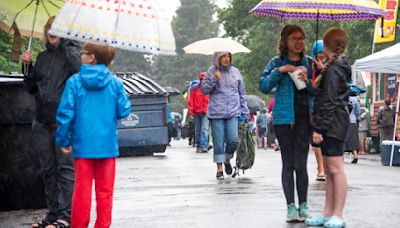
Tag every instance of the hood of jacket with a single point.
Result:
(95, 77)
(217, 56)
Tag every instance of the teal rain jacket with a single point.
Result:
(283, 111)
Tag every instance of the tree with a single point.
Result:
(5, 50)
(129, 61)
(193, 21)
(260, 34)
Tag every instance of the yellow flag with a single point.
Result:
(389, 24)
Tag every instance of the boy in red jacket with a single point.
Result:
(198, 106)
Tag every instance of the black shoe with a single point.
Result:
(220, 175)
(355, 160)
(190, 143)
(228, 168)
(209, 147)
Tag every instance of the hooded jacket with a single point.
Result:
(331, 115)
(198, 102)
(46, 79)
(92, 102)
(284, 107)
(228, 94)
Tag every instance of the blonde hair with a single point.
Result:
(47, 27)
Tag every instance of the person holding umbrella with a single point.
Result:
(331, 121)
(291, 114)
(227, 102)
(46, 81)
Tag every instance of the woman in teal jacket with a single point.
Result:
(291, 115)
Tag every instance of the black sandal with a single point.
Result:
(59, 224)
(220, 175)
(41, 224)
(228, 168)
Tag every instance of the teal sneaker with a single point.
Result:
(292, 213)
(303, 211)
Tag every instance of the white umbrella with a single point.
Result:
(209, 46)
(127, 24)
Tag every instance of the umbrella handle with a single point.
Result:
(33, 25)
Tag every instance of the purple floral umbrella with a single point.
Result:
(333, 10)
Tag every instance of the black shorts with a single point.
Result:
(331, 147)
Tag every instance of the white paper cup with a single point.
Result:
(295, 78)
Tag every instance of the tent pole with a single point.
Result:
(395, 123)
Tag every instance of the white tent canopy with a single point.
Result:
(385, 61)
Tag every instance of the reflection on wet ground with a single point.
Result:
(179, 189)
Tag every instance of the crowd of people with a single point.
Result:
(78, 144)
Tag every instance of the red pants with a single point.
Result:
(103, 173)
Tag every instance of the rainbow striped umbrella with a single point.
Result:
(136, 25)
(333, 10)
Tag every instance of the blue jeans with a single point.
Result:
(225, 138)
(201, 128)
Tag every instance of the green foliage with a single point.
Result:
(129, 61)
(260, 34)
(193, 21)
(6, 41)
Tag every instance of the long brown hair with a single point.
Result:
(336, 41)
(286, 32)
(47, 27)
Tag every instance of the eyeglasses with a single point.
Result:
(297, 38)
(85, 53)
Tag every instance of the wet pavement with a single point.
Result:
(179, 189)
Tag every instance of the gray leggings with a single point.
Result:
(294, 141)
(58, 173)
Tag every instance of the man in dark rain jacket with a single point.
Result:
(46, 81)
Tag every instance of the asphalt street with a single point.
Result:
(178, 188)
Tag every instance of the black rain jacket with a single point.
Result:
(46, 79)
(331, 115)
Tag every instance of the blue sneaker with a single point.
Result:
(318, 220)
(292, 213)
(335, 222)
(303, 211)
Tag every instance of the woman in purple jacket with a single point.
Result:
(227, 103)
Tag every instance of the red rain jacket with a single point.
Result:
(198, 102)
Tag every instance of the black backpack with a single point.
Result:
(387, 119)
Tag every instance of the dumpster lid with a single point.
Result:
(138, 84)
(172, 90)
(11, 78)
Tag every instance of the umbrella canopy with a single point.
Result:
(385, 61)
(209, 46)
(172, 91)
(30, 16)
(255, 103)
(334, 10)
(129, 24)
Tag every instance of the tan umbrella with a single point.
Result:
(209, 46)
